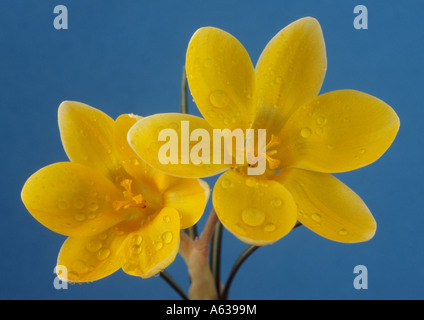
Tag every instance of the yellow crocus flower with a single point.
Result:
(117, 210)
(309, 136)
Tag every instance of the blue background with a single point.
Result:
(127, 56)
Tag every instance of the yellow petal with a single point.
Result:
(328, 207)
(92, 258)
(257, 211)
(221, 78)
(338, 131)
(86, 135)
(71, 199)
(174, 154)
(289, 72)
(130, 160)
(188, 196)
(154, 246)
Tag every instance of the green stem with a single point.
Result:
(244, 255)
(215, 256)
(174, 285)
(192, 231)
(184, 101)
(242, 258)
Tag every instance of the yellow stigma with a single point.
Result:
(273, 163)
(131, 200)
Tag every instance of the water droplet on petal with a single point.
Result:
(93, 206)
(94, 245)
(166, 219)
(321, 120)
(251, 182)
(79, 217)
(79, 266)
(78, 203)
(316, 217)
(269, 227)
(103, 253)
(63, 205)
(343, 232)
(238, 229)
(167, 237)
(319, 131)
(219, 99)
(136, 249)
(103, 236)
(276, 202)
(226, 183)
(252, 217)
(158, 245)
(137, 239)
(305, 132)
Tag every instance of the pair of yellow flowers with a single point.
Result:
(122, 208)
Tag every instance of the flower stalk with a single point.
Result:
(195, 254)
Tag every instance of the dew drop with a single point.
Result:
(93, 206)
(166, 219)
(103, 253)
(321, 120)
(319, 131)
(137, 239)
(269, 227)
(305, 132)
(226, 183)
(92, 215)
(251, 182)
(252, 217)
(343, 232)
(79, 266)
(136, 249)
(158, 245)
(316, 217)
(94, 245)
(78, 203)
(219, 99)
(362, 150)
(276, 202)
(79, 216)
(103, 236)
(167, 237)
(238, 229)
(330, 146)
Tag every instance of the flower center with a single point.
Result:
(131, 200)
(273, 163)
